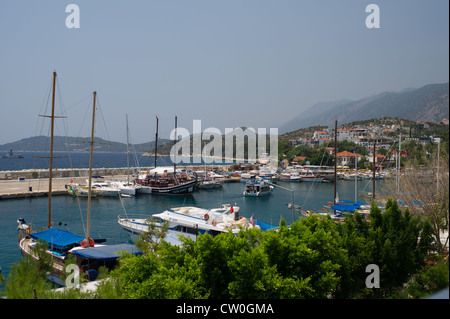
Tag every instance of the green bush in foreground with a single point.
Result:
(314, 258)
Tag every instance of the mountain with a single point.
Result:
(75, 144)
(427, 104)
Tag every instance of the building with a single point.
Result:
(347, 158)
(343, 134)
(318, 135)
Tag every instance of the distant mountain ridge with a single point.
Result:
(75, 144)
(426, 104)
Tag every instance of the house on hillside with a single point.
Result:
(318, 135)
(380, 160)
(347, 158)
(343, 134)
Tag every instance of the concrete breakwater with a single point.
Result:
(34, 183)
(62, 173)
(84, 172)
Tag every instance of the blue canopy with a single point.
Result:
(106, 253)
(57, 239)
(352, 202)
(344, 208)
(265, 226)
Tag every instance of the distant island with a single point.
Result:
(75, 144)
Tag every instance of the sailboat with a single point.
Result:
(166, 182)
(88, 253)
(342, 207)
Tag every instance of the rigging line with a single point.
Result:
(103, 118)
(84, 120)
(79, 102)
(314, 182)
(43, 104)
(64, 112)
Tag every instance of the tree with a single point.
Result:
(27, 279)
(401, 243)
(424, 189)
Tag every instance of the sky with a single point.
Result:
(228, 63)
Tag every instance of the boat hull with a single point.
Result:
(181, 189)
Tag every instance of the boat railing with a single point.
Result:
(134, 221)
(24, 233)
(133, 216)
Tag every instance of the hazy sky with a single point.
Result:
(229, 63)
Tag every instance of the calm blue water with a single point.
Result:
(31, 160)
(104, 211)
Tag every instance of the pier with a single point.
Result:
(34, 182)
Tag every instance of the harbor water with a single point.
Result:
(69, 213)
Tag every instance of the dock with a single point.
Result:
(34, 182)
(10, 189)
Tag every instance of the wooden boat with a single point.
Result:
(89, 255)
(166, 182)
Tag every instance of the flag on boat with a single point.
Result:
(231, 210)
(252, 221)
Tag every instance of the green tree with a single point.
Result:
(27, 279)
(401, 244)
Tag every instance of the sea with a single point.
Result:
(69, 213)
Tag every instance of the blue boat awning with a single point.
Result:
(108, 252)
(352, 202)
(57, 239)
(344, 208)
(265, 226)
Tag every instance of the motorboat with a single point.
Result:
(190, 221)
(256, 187)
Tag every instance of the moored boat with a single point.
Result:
(63, 244)
(190, 221)
(256, 187)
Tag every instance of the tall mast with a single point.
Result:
(90, 171)
(335, 161)
(356, 177)
(156, 143)
(175, 155)
(128, 154)
(374, 168)
(50, 170)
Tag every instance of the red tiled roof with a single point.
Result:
(347, 154)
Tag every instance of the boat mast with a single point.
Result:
(128, 154)
(175, 155)
(335, 161)
(90, 171)
(374, 168)
(156, 145)
(356, 176)
(50, 170)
